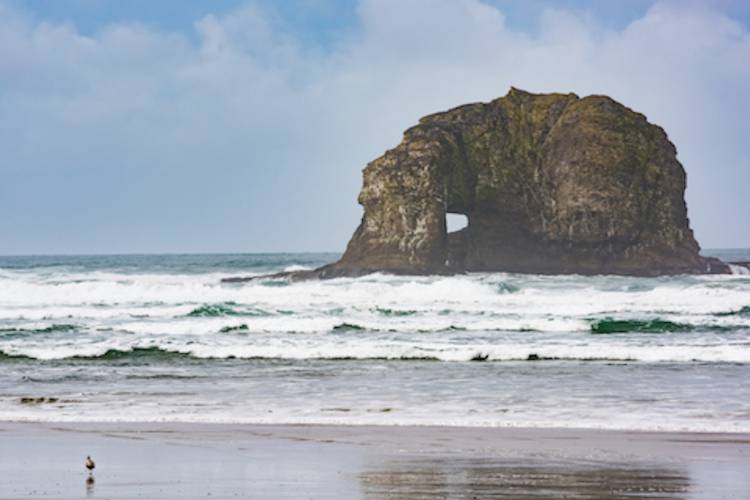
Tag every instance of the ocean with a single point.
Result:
(153, 338)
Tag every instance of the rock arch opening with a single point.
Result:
(456, 240)
(455, 222)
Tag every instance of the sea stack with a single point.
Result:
(550, 183)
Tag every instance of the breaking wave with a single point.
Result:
(739, 270)
(21, 332)
(53, 313)
(226, 309)
(743, 311)
(395, 352)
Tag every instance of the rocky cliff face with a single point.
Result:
(550, 183)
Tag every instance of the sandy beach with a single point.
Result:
(348, 462)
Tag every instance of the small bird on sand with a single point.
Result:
(89, 464)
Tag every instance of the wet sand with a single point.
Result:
(349, 462)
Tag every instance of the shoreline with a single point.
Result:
(186, 460)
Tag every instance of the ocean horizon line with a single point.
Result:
(227, 253)
(180, 254)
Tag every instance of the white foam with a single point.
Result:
(370, 413)
(739, 270)
(449, 318)
(460, 346)
(296, 267)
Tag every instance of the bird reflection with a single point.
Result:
(90, 485)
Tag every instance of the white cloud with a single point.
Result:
(246, 131)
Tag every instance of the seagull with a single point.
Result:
(89, 464)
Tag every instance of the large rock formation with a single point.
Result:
(550, 183)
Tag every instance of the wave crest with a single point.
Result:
(226, 309)
(605, 326)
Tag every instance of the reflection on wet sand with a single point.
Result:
(483, 479)
(89, 485)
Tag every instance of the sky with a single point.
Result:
(243, 125)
